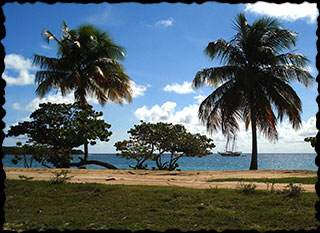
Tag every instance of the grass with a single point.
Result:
(293, 180)
(41, 206)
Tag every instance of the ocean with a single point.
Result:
(270, 161)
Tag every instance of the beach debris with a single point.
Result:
(109, 179)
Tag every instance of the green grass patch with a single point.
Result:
(41, 206)
(293, 180)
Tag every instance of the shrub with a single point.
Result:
(271, 185)
(246, 188)
(293, 190)
(60, 177)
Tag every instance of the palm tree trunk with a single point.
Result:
(254, 155)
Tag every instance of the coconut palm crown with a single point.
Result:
(253, 84)
(87, 64)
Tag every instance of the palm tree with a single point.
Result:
(87, 64)
(254, 81)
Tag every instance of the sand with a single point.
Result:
(191, 179)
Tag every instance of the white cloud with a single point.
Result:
(104, 17)
(199, 98)
(44, 46)
(307, 129)
(290, 141)
(184, 88)
(56, 98)
(156, 113)
(164, 23)
(137, 90)
(53, 98)
(18, 64)
(101, 18)
(17, 106)
(285, 11)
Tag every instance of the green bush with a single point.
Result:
(293, 190)
(246, 188)
(60, 177)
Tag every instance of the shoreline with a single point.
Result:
(190, 179)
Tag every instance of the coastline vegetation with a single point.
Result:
(11, 150)
(55, 129)
(149, 141)
(152, 207)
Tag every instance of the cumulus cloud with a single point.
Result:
(184, 88)
(307, 129)
(137, 90)
(199, 98)
(290, 141)
(164, 23)
(53, 98)
(16, 63)
(285, 11)
(156, 113)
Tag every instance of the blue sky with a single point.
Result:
(164, 50)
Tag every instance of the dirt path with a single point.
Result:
(192, 179)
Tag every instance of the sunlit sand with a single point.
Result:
(191, 179)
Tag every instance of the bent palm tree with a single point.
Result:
(254, 81)
(87, 65)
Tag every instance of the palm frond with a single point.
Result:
(284, 99)
(47, 35)
(215, 76)
(291, 73)
(221, 109)
(295, 59)
(228, 53)
(241, 25)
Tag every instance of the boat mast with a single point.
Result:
(233, 143)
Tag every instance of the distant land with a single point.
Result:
(10, 150)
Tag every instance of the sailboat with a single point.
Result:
(231, 152)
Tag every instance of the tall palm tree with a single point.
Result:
(254, 81)
(87, 64)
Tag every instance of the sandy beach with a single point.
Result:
(191, 179)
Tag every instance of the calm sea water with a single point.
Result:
(278, 161)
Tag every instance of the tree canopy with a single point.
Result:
(87, 64)
(57, 128)
(254, 80)
(153, 140)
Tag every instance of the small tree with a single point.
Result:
(20, 152)
(139, 147)
(134, 149)
(57, 128)
(152, 141)
(312, 140)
